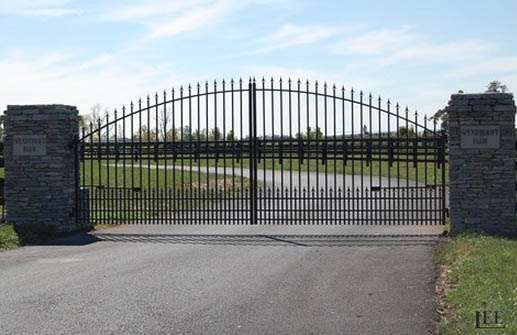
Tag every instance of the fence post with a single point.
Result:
(40, 169)
(482, 163)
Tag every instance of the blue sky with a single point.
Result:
(111, 52)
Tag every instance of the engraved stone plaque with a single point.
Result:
(29, 145)
(480, 137)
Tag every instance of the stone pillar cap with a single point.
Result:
(484, 95)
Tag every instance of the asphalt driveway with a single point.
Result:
(222, 280)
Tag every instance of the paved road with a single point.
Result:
(221, 280)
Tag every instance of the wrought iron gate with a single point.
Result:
(263, 153)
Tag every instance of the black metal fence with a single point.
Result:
(264, 153)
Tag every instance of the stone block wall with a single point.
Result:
(40, 167)
(482, 163)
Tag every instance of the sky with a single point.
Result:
(417, 53)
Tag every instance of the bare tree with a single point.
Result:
(164, 128)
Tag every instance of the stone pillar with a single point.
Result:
(482, 163)
(40, 168)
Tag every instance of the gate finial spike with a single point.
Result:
(231, 82)
(280, 81)
(289, 81)
(389, 102)
(224, 82)
(334, 87)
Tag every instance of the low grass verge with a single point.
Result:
(477, 273)
(8, 237)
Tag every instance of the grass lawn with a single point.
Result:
(97, 174)
(478, 273)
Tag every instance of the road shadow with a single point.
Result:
(274, 240)
(79, 239)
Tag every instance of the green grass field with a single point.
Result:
(480, 274)
(108, 175)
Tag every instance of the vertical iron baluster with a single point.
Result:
(174, 149)
(190, 151)
(353, 155)
(198, 94)
(290, 202)
(233, 139)
(435, 168)
(390, 158)
(369, 154)
(425, 168)
(308, 136)
(325, 153)
(300, 137)
(281, 146)
(165, 139)
(251, 158)
(408, 205)
(182, 151)
(362, 150)
(334, 149)
(273, 137)
(415, 167)
(225, 205)
(345, 152)
(317, 137)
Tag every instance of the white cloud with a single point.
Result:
(141, 11)
(54, 78)
(390, 46)
(345, 80)
(489, 66)
(291, 35)
(376, 42)
(170, 18)
(37, 8)
(193, 19)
